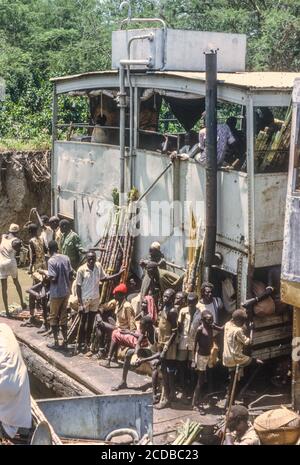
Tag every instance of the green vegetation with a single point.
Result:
(40, 39)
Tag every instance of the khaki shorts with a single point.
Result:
(184, 355)
(58, 311)
(91, 305)
(201, 362)
(8, 268)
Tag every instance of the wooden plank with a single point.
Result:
(272, 320)
(267, 353)
(274, 334)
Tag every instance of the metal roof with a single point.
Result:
(249, 80)
(245, 80)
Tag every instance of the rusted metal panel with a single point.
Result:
(291, 255)
(96, 416)
(268, 254)
(270, 194)
(291, 248)
(85, 173)
(232, 190)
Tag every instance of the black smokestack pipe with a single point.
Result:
(211, 160)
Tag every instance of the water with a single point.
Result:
(39, 390)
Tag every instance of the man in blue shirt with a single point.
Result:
(60, 274)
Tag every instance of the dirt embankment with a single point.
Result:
(24, 184)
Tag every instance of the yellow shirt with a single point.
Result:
(234, 342)
(125, 316)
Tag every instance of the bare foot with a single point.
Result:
(164, 404)
(119, 387)
(156, 399)
(105, 364)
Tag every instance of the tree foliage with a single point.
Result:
(40, 39)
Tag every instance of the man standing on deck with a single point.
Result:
(167, 330)
(56, 232)
(88, 280)
(60, 274)
(70, 244)
(10, 246)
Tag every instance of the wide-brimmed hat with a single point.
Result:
(155, 245)
(14, 228)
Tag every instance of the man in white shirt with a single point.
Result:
(88, 280)
(15, 402)
(47, 233)
(207, 302)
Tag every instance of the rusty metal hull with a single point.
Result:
(94, 417)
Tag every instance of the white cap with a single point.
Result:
(14, 228)
(155, 245)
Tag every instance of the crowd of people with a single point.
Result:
(181, 335)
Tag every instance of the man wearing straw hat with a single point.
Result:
(10, 246)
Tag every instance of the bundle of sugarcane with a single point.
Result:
(195, 256)
(191, 249)
(128, 242)
(118, 242)
(272, 150)
(261, 144)
(188, 433)
(109, 256)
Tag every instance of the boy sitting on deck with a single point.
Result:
(40, 293)
(137, 343)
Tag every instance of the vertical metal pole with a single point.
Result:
(295, 363)
(54, 137)
(211, 160)
(135, 134)
(122, 105)
(250, 179)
